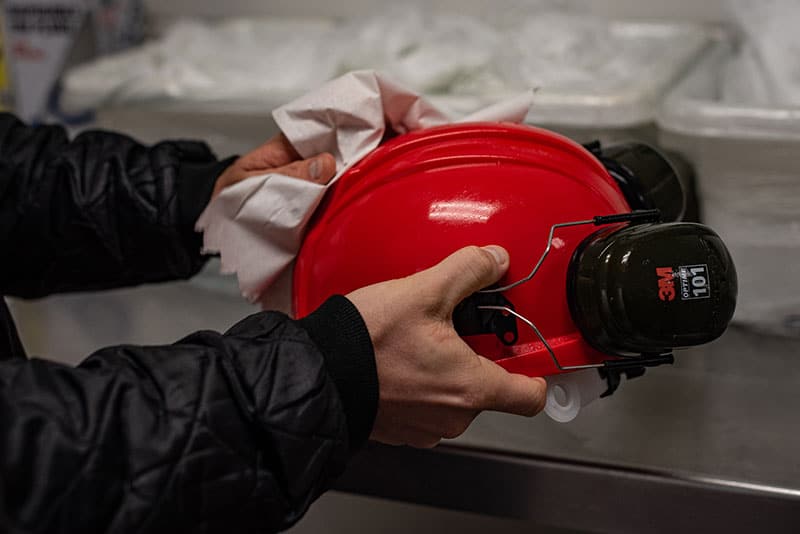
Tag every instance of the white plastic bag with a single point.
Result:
(240, 59)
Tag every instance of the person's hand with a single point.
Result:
(277, 155)
(432, 385)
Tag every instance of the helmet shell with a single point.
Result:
(421, 196)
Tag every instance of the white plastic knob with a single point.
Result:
(569, 392)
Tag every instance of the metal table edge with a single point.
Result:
(569, 494)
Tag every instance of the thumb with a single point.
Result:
(512, 393)
(319, 169)
(466, 271)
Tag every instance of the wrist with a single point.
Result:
(196, 182)
(339, 331)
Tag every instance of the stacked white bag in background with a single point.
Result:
(253, 60)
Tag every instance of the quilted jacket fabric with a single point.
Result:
(219, 432)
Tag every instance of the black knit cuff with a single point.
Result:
(195, 184)
(339, 331)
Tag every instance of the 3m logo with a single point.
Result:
(666, 283)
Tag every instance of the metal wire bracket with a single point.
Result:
(542, 339)
(634, 217)
(639, 216)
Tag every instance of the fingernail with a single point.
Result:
(315, 169)
(499, 253)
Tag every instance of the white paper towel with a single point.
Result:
(257, 225)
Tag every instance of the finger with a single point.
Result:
(465, 272)
(425, 442)
(276, 152)
(447, 422)
(319, 169)
(510, 392)
(404, 434)
(419, 438)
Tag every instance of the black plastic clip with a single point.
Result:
(613, 370)
(633, 217)
(468, 320)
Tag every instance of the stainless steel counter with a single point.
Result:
(730, 410)
(710, 444)
(713, 441)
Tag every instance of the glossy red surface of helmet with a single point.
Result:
(421, 196)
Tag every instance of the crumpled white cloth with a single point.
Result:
(257, 225)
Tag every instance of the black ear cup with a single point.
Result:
(647, 178)
(650, 288)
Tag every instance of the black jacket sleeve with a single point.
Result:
(217, 433)
(99, 211)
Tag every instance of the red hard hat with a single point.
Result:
(423, 195)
